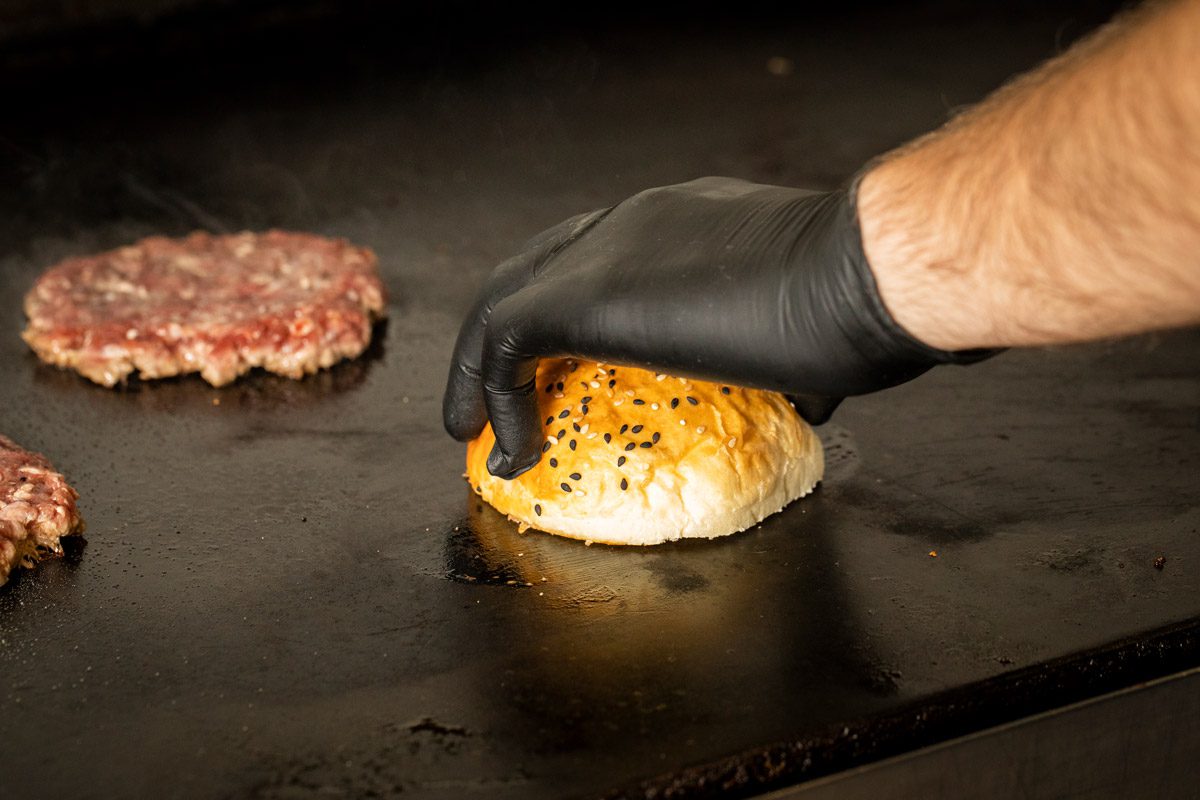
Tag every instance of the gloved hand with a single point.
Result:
(716, 279)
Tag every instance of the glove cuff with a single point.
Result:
(897, 340)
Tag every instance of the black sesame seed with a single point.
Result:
(621, 461)
(566, 412)
(574, 366)
(545, 446)
(549, 388)
(630, 446)
(637, 428)
(574, 476)
(584, 410)
(639, 402)
(674, 402)
(554, 462)
(693, 400)
(575, 425)
(583, 384)
(559, 386)
(655, 437)
(612, 382)
(566, 487)
(607, 438)
(724, 390)
(612, 372)
(647, 444)
(561, 433)
(537, 509)
(623, 428)
(571, 444)
(549, 420)
(624, 484)
(586, 399)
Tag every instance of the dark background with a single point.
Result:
(293, 593)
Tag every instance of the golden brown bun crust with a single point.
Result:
(706, 460)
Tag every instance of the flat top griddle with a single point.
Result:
(288, 590)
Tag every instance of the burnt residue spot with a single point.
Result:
(387, 763)
(468, 560)
(430, 725)
(1081, 559)
(676, 578)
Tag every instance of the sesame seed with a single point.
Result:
(559, 395)
(693, 400)
(674, 402)
(594, 384)
(639, 402)
(655, 437)
(654, 406)
(537, 509)
(607, 438)
(591, 436)
(575, 425)
(574, 476)
(621, 461)
(647, 444)
(549, 420)
(732, 441)
(659, 377)
(571, 444)
(623, 428)
(553, 440)
(630, 446)
(559, 386)
(618, 401)
(700, 429)
(549, 388)
(545, 446)
(581, 492)
(554, 462)
(574, 366)
(630, 392)
(612, 382)
(724, 390)
(564, 414)
(683, 422)
(577, 419)
(624, 484)
(562, 433)
(638, 428)
(612, 372)
(566, 487)
(584, 410)
(584, 385)
(586, 399)
(584, 429)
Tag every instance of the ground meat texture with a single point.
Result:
(291, 303)
(37, 508)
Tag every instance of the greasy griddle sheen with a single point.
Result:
(37, 508)
(291, 303)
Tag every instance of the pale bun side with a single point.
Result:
(706, 460)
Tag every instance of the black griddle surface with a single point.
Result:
(293, 593)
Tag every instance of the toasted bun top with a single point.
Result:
(635, 457)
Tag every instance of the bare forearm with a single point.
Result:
(1065, 207)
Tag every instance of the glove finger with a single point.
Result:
(464, 412)
(525, 326)
(815, 409)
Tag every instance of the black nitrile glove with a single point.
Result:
(717, 279)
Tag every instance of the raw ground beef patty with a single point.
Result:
(291, 303)
(37, 507)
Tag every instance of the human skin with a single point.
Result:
(1063, 208)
